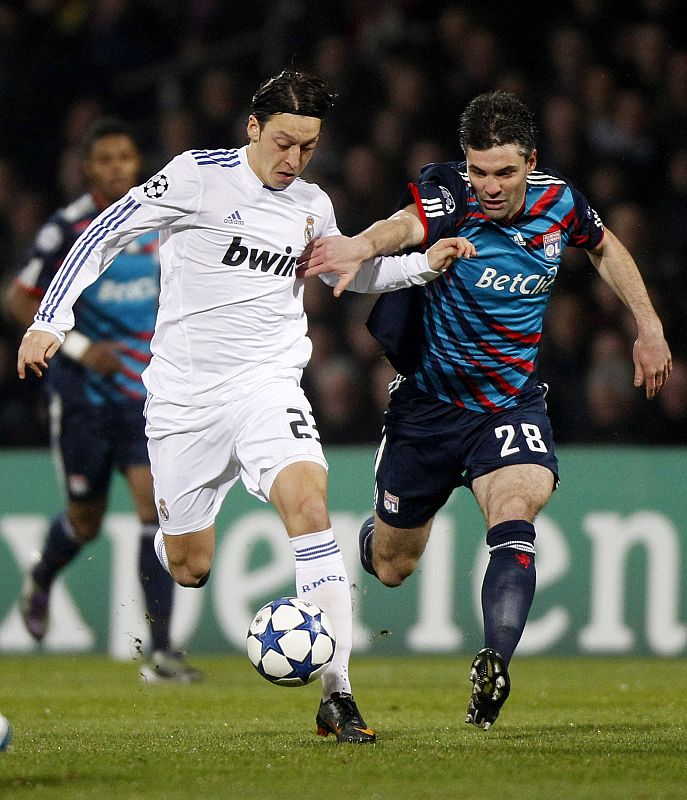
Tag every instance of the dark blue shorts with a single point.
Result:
(93, 440)
(430, 447)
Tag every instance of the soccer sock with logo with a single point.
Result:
(321, 578)
(158, 589)
(508, 586)
(61, 546)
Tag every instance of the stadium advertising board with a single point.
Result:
(611, 554)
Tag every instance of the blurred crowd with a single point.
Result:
(608, 81)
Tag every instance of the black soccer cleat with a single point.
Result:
(365, 545)
(33, 608)
(339, 715)
(490, 688)
(169, 666)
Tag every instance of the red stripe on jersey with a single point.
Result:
(130, 393)
(530, 338)
(134, 376)
(421, 211)
(475, 391)
(528, 366)
(143, 357)
(545, 200)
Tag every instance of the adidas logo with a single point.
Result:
(234, 218)
(518, 239)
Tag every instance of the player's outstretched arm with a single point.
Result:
(651, 354)
(343, 255)
(35, 350)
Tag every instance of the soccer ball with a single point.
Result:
(290, 641)
(5, 733)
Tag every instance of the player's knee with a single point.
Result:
(85, 530)
(310, 514)
(393, 571)
(193, 573)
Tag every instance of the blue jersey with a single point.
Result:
(483, 317)
(121, 306)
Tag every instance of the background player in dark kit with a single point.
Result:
(96, 393)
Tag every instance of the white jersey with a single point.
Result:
(230, 304)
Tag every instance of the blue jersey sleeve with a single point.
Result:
(47, 253)
(587, 230)
(440, 197)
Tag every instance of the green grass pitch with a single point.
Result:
(85, 727)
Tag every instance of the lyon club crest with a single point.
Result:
(552, 245)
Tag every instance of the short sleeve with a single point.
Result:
(440, 196)
(587, 230)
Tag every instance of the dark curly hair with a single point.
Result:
(497, 118)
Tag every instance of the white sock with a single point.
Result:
(160, 550)
(321, 578)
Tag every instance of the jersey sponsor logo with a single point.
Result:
(552, 245)
(309, 229)
(531, 284)
(234, 219)
(449, 202)
(127, 291)
(156, 186)
(260, 260)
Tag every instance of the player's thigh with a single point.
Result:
(399, 544)
(277, 430)
(140, 480)
(192, 461)
(130, 447)
(519, 491)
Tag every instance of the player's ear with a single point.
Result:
(253, 129)
(532, 161)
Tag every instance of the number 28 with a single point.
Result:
(531, 433)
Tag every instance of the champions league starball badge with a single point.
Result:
(156, 187)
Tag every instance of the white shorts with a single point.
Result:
(198, 453)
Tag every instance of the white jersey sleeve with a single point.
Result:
(169, 199)
(388, 273)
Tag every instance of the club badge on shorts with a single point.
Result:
(390, 502)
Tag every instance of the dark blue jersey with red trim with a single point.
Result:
(121, 306)
(483, 316)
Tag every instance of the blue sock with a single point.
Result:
(508, 586)
(158, 589)
(61, 546)
(367, 531)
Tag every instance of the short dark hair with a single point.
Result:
(106, 126)
(497, 118)
(291, 92)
